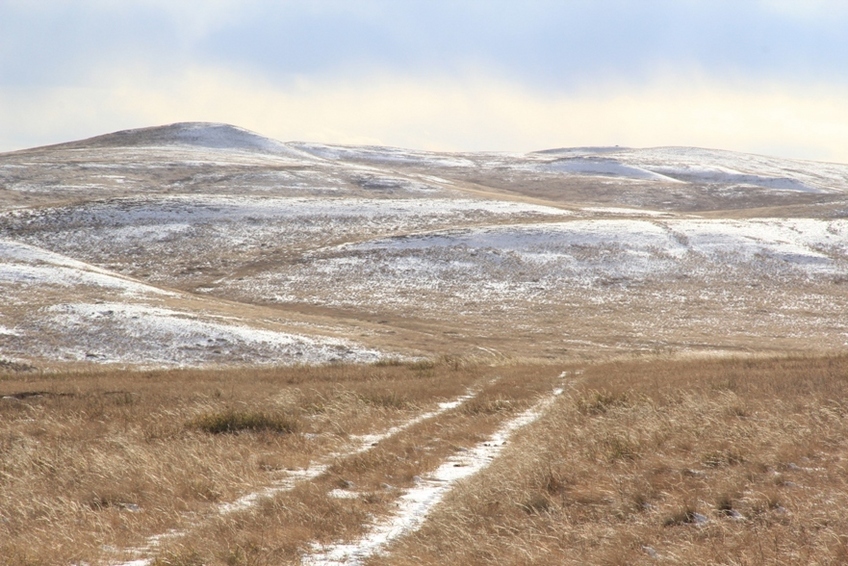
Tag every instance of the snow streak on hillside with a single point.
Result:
(141, 334)
(549, 263)
(23, 266)
(114, 319)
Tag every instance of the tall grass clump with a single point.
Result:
(231, 421)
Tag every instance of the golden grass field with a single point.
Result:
(726, 461)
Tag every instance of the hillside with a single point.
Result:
(205, 244)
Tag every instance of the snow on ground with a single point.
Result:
(221, 136)
(417, 503)
(504, 264)
(135, 333)
(730, 168)
(382, 154)
(358, 444)
(603, 167)
(205, 135)
(222, 211)
(615, 162)
(195, 209)
(26, 265)
(166, 237)
(802, 243)
(110, 323)
(692, 165)
(623, 211)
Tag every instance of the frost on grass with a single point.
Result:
(26, 265)
(134, 333)
(543, 260)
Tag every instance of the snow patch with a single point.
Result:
(384, 155)
(622, 211)
(23, 264)
(135, 333)
(603, 167)
(360, 444)
(207, 135)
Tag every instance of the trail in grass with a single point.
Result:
(361, 443)
(358, 444)
(418, 502)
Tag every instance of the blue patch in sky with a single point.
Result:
(552, 44)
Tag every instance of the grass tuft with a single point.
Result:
(422, 365)
(232, 421)
(686, 515)
(184, 558)
(388, 362)
(719, 458)
(599, 402)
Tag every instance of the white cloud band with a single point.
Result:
(445, 113)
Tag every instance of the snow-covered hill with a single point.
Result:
(197, 243)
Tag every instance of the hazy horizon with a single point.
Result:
(765, 77)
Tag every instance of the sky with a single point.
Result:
(759, 76)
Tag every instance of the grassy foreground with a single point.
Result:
(718, 462)
(90, 463)
(690, 462)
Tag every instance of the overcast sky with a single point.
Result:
(763, 76)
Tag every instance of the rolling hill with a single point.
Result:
(202, 244)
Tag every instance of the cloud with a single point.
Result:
(479, 113)
(546, 44)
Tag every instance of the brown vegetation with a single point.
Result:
(98, 461)
(698, 462)
(357, 490)
(722, 462)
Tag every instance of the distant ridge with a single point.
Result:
(579, 150)
(198, 134)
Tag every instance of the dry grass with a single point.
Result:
(283, 528)
(722, 462)
(100, 460)
(707, 462)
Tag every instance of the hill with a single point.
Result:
(206, 244)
